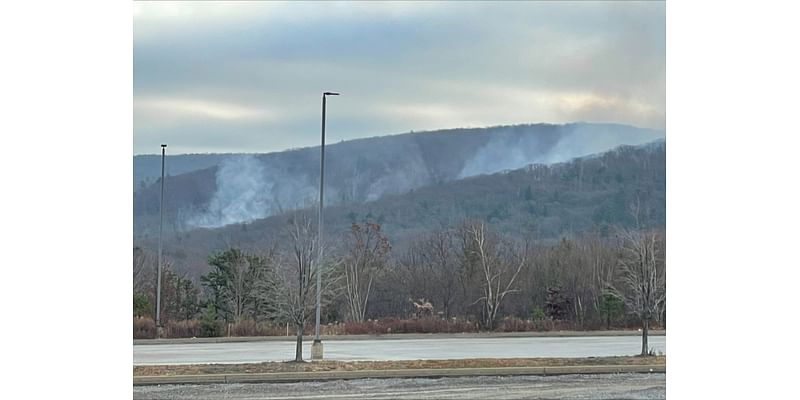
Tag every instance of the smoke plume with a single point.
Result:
(248, 189)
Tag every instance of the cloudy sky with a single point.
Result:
(248, 76)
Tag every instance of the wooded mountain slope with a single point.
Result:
(624, 187)
(240, 188)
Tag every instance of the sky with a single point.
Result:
(214, 77)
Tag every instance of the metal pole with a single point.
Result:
(316, 348)
(160, 232)
(319, 224)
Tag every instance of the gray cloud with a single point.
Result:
(247, 76)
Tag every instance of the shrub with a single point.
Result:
(141, 305)
(396, 325)
(144, 328)
(514, 324)
(333, 329)
(209, 326)
(249, 327)
(183, 329)
(537, 314)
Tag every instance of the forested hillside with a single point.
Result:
(622, 187)
(147, 167)
(243, 188)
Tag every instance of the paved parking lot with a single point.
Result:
(397, 349)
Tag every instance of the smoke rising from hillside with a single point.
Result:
(248, 190)
(410, 172)
(504, 150)
(251, 187)
(586, 140)
(507, 152)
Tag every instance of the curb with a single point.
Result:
(283, 377)
(395, 336)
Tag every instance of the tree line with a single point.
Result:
(466, 272)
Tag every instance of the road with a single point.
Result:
(627, 386)
(397, 349)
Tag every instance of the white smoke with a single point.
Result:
(507, 152)
(501, 153)
(584, 140)
(406, 175)
(248, 190)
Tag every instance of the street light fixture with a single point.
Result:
(160, 232)
(316, 348)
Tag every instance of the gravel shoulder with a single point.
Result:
(596, 387)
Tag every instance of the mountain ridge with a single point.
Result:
(593, 193)
(243, 188)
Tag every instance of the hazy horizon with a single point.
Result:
(328, 143)
(248, 77)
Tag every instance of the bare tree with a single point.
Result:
(468, 270)
(578, 262)
(432, 266)
(291, 287)
(499, 267)
(642, 276)
(602, 266)
(297, 278)
(142, 270)
(367, 249)
(238, 290)
(144, 281)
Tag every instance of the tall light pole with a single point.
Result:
(160, 232)
(316, 348)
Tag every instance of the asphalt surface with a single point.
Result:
(397, 336)
(400, 349)
(618, 386)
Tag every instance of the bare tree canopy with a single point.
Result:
(500, 264)
(430, 269)
(292, 287)
(451, 279)
(642, 276)
(367, 249)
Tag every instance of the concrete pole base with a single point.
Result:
(316, 350)
(159, 332)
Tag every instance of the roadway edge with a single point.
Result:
(397, 336)
(282, 377)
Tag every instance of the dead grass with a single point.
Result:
(266, 367)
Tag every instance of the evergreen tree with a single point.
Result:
(556, 306)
